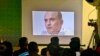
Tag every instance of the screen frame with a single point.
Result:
(66, 16)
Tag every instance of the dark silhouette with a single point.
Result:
(74, 47)
(89, 52)
(2, 49)
(54, 41)
(52, 47)
(23, 43)
(33, 49)
(9, 49)
(53, 50)
(43, 51)
(54, 44)
(75, 44)
(68, 52)
(6, 49)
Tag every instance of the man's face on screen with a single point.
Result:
(53, 23)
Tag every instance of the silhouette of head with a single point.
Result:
(53, 50)
(9, 49)
(23, 42)
(2, 49)
(55, 40)
(33, 47)
(75, 44)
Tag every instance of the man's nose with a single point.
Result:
(48, 23)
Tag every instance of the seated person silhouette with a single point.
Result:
(23, 44)
(6, 48)
(74, 47)
(33, 49)
(75, 44)
(43, 51)
(89, 52)
(9, 48)
(54, 42)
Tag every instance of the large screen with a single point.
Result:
(53, 23)
(39, 27)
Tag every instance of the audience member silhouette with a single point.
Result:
(33, 49)
(75, 44)
(23, 43)
(6, 49)
(52, 50)
(74, 47)
(89, 52)
(68, 52)
(55, 44)
(55, 41)
(9, 49)
(43, 51)
(2, 49)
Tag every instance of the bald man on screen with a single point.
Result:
(53, 22)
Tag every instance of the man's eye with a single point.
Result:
(52, 19)
(45, 20)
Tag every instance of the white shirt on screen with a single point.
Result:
(62, 32)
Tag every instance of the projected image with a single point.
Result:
(53, 23)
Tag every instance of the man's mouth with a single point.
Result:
(49, 27)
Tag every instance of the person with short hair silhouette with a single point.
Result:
(53, 46)
(23, 43)
(9, 48)
(54, 40)
(33, 49)
(74, 47)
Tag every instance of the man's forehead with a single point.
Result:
(51, 14)
(51, 11)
